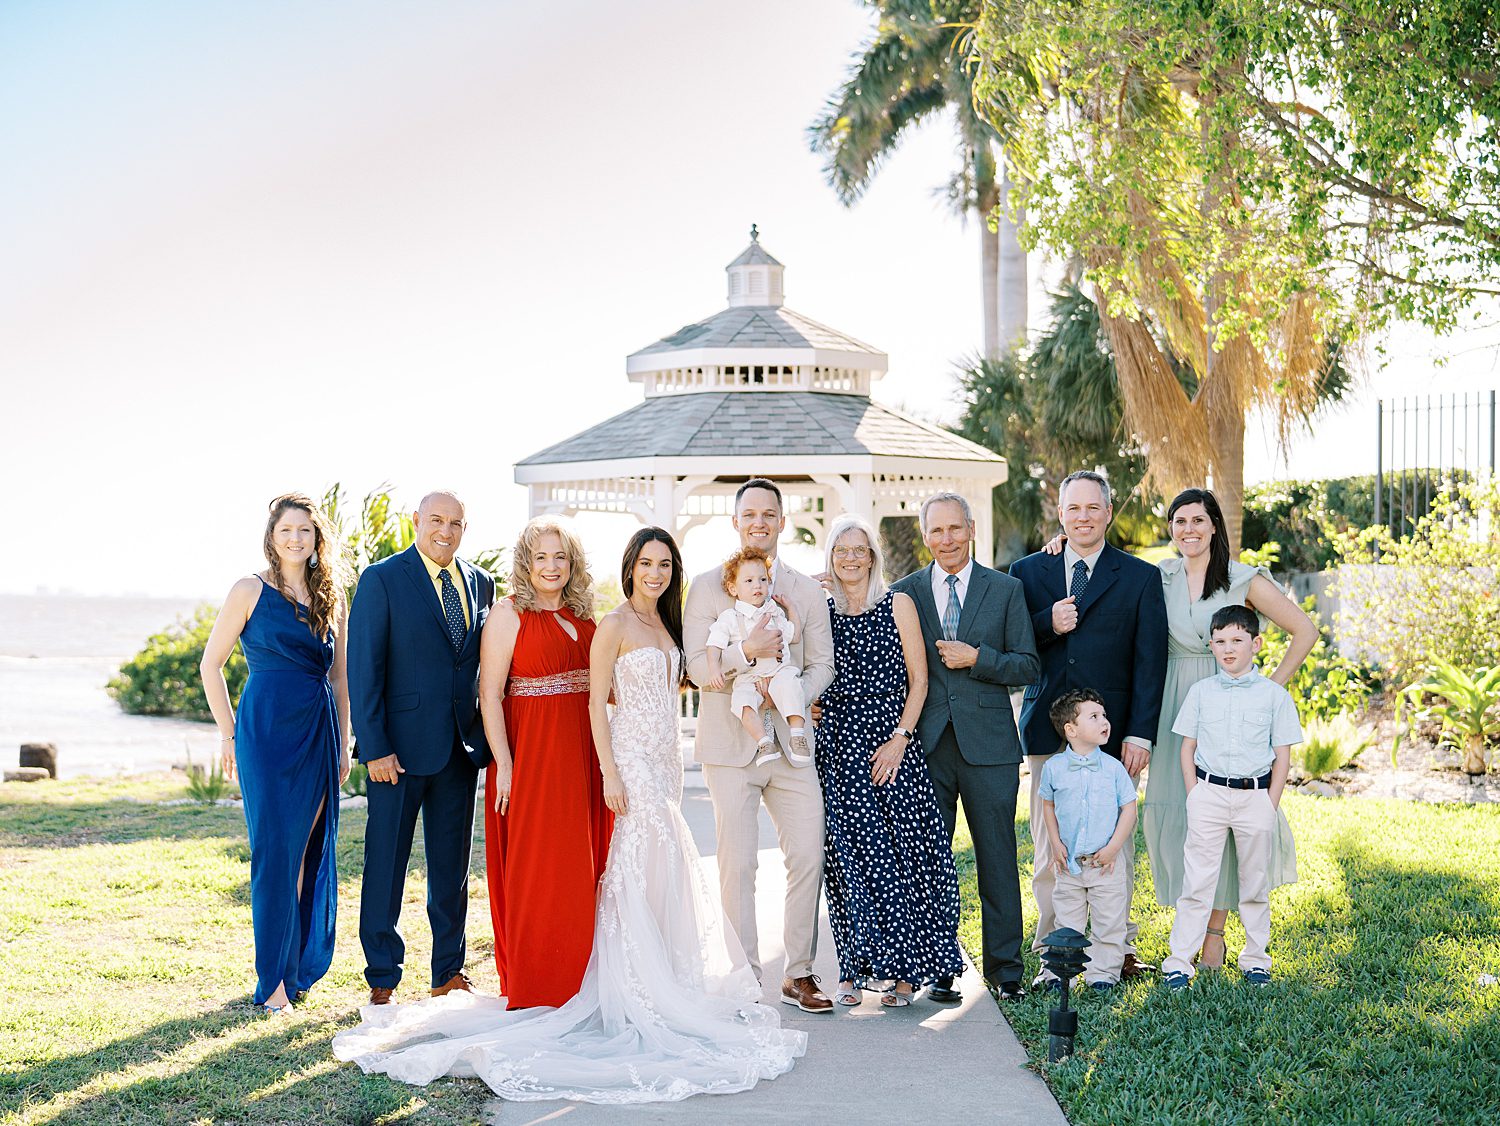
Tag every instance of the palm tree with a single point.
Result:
(913, 68)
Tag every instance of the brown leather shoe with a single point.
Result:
(1134, 967)
(459, 980)
(380, 995)
(805, 994)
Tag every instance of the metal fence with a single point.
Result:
(1423, 441)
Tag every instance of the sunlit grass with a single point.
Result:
(1376, 1014)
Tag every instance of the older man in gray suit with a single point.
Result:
(979, 645)
(737, 782)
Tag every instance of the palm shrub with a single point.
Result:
(1329, 744)
(207, 786)
(1466, 706)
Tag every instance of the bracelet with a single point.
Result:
(911, 736)
(226, 738)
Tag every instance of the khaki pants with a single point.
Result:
(796, 803)
(1213, 812)
(1044, 876)
(1096, 903)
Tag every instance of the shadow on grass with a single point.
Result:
(285, 1072)
(1375, 1014)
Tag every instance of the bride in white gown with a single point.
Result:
(668, 1007)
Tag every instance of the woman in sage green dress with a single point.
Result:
(1196, 584)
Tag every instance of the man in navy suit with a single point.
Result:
(1101, 623)
(413, 693)
(977, 634)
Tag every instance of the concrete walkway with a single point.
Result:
(950, 1064)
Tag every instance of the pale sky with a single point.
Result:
(247, 248)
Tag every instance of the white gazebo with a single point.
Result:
(757, 390)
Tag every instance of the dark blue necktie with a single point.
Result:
(453, 611)
(1080, 580)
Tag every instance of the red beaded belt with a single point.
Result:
(558, 684)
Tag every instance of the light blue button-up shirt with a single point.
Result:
(1238, 722)
(1086, 792)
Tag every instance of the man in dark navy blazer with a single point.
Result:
(413, 693)
(977, 634)
(1101, 623)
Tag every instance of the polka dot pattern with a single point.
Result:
(888, 870)
(453, 611)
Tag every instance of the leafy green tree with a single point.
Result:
(1248, 185)
(913, 68)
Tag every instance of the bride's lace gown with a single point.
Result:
(667, 1007)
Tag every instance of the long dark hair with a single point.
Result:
(1217, 576)
(670, 603)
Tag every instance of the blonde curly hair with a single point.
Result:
(578, 594)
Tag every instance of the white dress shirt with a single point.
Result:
(940, 586)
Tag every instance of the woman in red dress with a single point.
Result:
(546, 826)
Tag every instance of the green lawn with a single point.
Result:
(1375, 1016)
(124, 928)
(125, 925)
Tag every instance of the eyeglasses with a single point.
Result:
(851, 553)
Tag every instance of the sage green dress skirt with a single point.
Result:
(1164, 810)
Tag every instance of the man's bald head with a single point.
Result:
(440, 525)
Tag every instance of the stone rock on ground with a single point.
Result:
(27, 774)
(40, 754)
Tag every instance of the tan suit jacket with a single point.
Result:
(722, 740)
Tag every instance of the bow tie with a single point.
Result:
(1090, 763)
(1230, 682)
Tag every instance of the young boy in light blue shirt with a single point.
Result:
(1088, 807)
(1237, 731)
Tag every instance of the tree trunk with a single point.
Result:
(1013, 308)
(1474, 760)
(986, 198)
(1229, 477)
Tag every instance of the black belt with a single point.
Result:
(1261, 783)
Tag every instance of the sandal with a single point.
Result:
(895, 999)
(1198, 959)
(848, 994)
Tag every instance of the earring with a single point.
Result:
(312, 561)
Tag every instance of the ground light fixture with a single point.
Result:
(1063, 956)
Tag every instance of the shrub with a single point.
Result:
(1327, 684)
(162, 679)
(207, 787)
(1430, 597)
(1328, 745)
(358, 783)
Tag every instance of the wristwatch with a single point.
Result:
(911, 736)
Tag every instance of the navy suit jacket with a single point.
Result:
(976, 700)
(410, 695)
(1119, 647)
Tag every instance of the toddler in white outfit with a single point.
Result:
(747, 579)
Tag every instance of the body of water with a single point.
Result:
(57, 652)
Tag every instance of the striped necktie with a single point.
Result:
(453, 611)
(953, 610)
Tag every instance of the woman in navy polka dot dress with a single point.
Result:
(892, 890)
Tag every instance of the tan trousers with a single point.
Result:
(796, 803)
(1096, 903)
(1213, 812)
(1044, 876)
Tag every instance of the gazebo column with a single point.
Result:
(984, 524)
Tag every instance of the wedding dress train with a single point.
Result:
(668, 1006)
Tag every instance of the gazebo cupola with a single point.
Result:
(755, 277)
(758, 389)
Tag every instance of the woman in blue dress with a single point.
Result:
(888, 871)
(289, 743)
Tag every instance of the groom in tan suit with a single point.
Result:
(736, 783)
